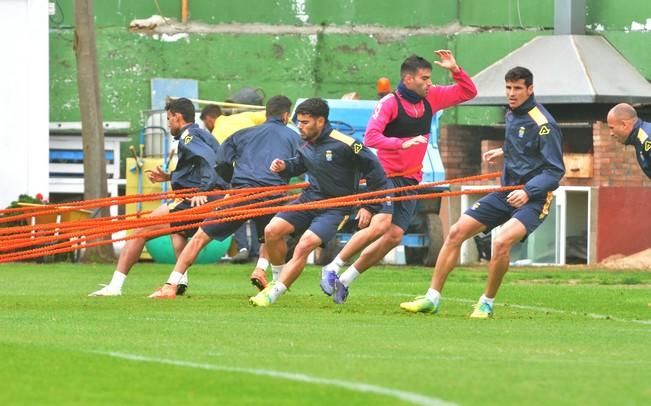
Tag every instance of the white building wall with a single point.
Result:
(24, 98)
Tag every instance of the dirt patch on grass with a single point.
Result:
(548, 281)
(640, 260)
(629, 283)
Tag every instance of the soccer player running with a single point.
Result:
(399, 129)
(195, 168)
(334, 163)
(533, 157)
(628, 129)
(244, 159)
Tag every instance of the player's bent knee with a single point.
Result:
(303, 250)
(394, 235)
(456, 236)
(382, 220)
(306, 245)
(381, 226)
(501, 247)
(271, 233)
(201, 237)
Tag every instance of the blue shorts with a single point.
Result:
(492, 210)
(221, 231)
(403, 211)
(324, 223)
(182, 204)
(384, 207)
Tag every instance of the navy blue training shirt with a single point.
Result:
(247, 154)
(197, 160)
(533, 153)
(335, 163)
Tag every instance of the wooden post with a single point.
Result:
(91, 115)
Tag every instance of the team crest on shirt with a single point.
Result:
(475, 206)
(187, 138)
(328, 155)
(647, 146)
(544, 130)
(521, 132)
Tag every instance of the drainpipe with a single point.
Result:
(184, 11)
(569, 17)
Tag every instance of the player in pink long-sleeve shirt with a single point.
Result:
(394, 155)
(399, 129)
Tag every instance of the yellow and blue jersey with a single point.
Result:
(335, 163)
(197, 160)
(533, 150)
(640, 137)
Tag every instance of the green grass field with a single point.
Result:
(560, 336)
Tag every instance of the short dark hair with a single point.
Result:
(183, 106)
(412, 64)
(517, 73)
(315, 107)
(278, 105)
(211, 110)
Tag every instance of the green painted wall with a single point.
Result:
(128, 62)
(353, 63)
(380, 12)
(326, 65)
(617, 15)
(473, 56)
(415, 13)
(635, 46)
(507, 13)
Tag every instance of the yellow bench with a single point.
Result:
(58, 218)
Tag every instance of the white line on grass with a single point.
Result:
(548, 310)
(414, 398)
(575, 313)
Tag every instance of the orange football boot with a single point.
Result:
(259, 279)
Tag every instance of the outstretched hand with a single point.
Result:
(447, 60)
(492, 155)
(157, 175)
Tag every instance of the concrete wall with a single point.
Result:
(24, 102)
